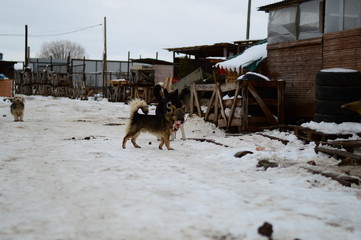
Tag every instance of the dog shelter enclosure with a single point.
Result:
(80, 78)
(306, 36)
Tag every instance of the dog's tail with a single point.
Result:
(137, 103)
(157, 92)
(353, 106)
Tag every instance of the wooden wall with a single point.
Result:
(342, 49)
(296, 63)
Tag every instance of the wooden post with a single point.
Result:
(280, 101)
(128, 66)
(234, 104)
(84, 78)
(26, 62)
(244, 105)
(191, 100)
(220, 100)
(210, 104)
(105, 67)
(199, 109)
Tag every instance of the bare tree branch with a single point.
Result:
(60, 49)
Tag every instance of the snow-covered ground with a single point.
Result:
(64, 176)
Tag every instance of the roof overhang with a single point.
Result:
(281, 4)
(215, 50)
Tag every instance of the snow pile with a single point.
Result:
(334, 128)
(344, 70)
(250, 55)
(64, 175)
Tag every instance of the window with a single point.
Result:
(352, 15)
(281, 26)
(293, 23)
(309, 23)
(342, 15)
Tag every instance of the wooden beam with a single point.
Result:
(234, 104)
(261, 103)
(210, 104)
(219, 96)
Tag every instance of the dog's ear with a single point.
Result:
(184, 107)
(166, 93)
(172, 109)
(176, 92)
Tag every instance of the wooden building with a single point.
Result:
(306, 36)
(205, 56)
(7, 70)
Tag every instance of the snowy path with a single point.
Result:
(64, 176)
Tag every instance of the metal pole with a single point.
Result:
(248, 19)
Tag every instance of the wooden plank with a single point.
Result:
(236, 122)
(244, 116)
(348, 145)
(195, 94)
(204, 87)
(219, 96)
(280, 102)
(341, 178)
(263, 106)
(234, 104)
(310, 135)
(228, 87)
(209, 141)
(284, 141)
(191, 100)
(211, 102)
(346, 157)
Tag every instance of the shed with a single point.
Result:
(306, 36)
(249, 60)
(7, 77)
(8, 68)
(205, 56)
(163, 69)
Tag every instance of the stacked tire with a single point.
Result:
(333, 89)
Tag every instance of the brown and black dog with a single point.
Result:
(353, 106)
(160, 125)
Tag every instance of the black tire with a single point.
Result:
(335, 118)
(338, 93)
(340, 79)
(332, 107)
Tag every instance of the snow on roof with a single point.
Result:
(250, 55)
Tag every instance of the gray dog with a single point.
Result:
(17, 107)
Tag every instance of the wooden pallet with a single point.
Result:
(311, 135)
(346, 158)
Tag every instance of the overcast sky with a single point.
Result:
(142, 27)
